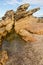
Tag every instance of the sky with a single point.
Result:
(13, 4)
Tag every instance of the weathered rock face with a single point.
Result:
(6, 23)
(25, 25)
(8, 14)
(23, 7)
(21, 20)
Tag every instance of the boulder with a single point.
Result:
(33, 11)
(23, 7)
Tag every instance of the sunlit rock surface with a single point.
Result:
(21, 21)
(21, 36)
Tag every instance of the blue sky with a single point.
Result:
(13, 4)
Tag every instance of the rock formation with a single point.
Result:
(21, 22)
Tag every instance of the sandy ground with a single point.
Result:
(24, 53)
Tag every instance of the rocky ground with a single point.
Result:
(24, 53)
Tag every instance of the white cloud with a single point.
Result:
(39, 2)
(12, 2)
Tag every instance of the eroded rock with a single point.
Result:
(24, 24)
(23, 7)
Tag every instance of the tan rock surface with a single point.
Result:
(24, 24)
(23, 7)
(4, 57)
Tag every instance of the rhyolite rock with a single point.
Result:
(21, 20)
(29, 29)
(23, 7)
